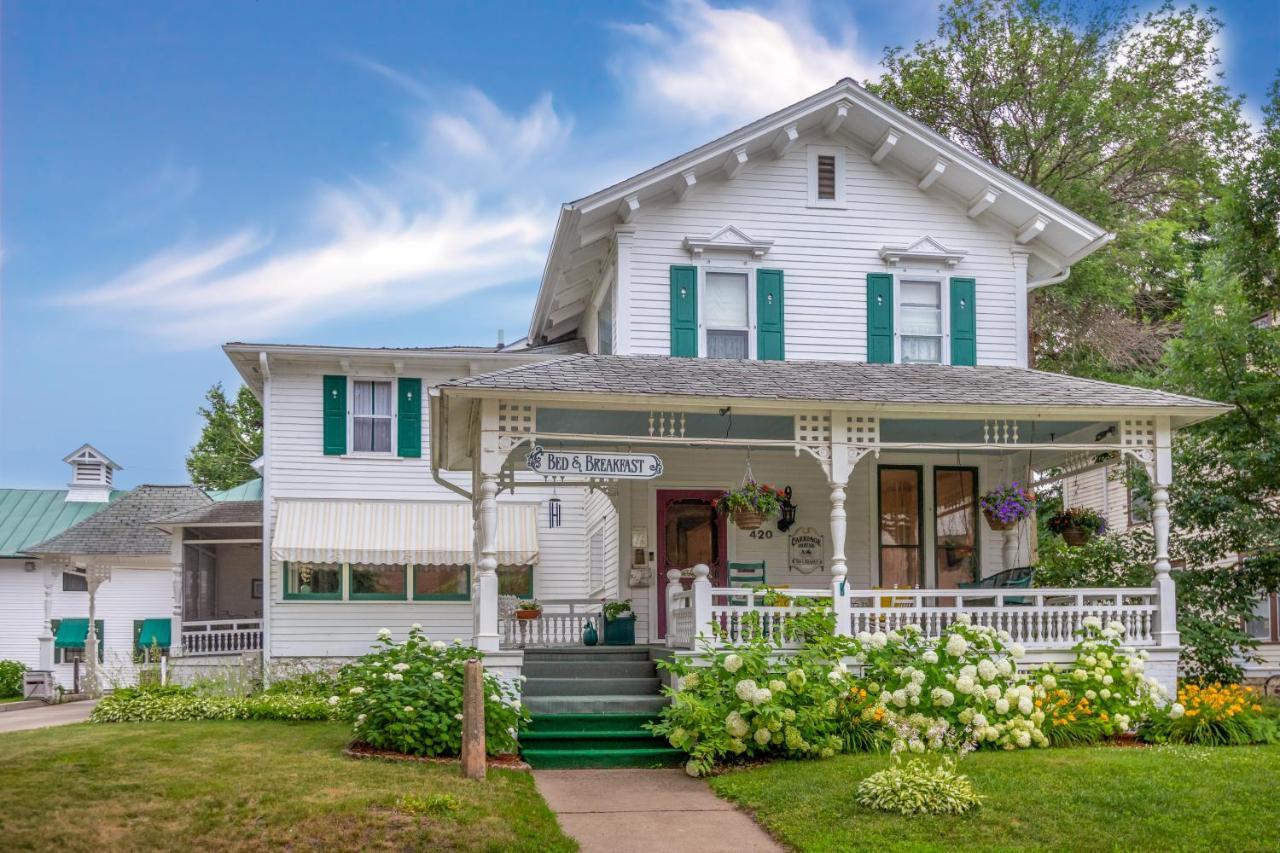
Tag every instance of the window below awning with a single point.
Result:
(155, 632)
(72, 634)
(396, 533)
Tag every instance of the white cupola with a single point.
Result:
(91, 473)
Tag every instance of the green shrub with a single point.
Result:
(172, 703)
(407, 697)
(11, 672)
(919, 787)
(316, 683)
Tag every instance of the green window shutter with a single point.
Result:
(684, 311)
(964, 322)
(335, 415)
(53, 628)
(99, 631)
(770, 334)
(879, 318)
(409, 416)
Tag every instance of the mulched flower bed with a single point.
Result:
(508, 761)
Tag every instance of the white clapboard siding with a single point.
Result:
(299, 469)
(1101, 490)
(824, 253)
(719, 469)
(601, 514)
(131, 594)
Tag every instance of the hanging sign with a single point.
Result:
(806, 548)
(582, 463)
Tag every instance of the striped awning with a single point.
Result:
(393, 533)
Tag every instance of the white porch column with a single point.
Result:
(839, 528)
(486, 638)
(1167, 618)
(46, 629)
(175, 618)
(1009, 549)
(95, 575)
(673, 589)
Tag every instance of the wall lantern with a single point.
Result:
(788, 516)
(553, 512)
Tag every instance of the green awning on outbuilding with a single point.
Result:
(155, 632)
(72, 634)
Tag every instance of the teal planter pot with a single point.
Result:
(620, 631)
(589, 635)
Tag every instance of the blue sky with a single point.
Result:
(179, 175)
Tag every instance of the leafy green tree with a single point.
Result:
(230, 440)
(1116, 114)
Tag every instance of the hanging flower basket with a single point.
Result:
(1005, 506)
(527, 610)
(1077, 525)
(751, 504)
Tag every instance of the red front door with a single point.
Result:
(690, 531)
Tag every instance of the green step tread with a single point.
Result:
(600, 758)
(580, 734)
(590, 722)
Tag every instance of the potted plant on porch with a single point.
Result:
(751, 504)
(1077, 525)
(1006, 505)
(528, 609)
(619, 623)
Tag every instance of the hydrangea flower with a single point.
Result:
(746, 688)
(957, 645)
(763, 736)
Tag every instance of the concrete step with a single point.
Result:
(604, 668)
(587, 723)
(591, 687)
(587, 653)
(599, 704)
(547, 759)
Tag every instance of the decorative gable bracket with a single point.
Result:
(728, 239)
(924, 250)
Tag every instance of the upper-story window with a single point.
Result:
(920, 310)
(727, 316)
(371, 416)
(826, 176)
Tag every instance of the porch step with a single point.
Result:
(603, 668)
(546, 724)
(606, 704)
(591, 687)
(577, 759)
(587, 653)
(594, 740)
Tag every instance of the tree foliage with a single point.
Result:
(230, 440)
(1116, 114)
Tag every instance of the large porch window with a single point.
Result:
(955, 525)
(901, 501)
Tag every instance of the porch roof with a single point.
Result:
(223, 513)
(913, 385)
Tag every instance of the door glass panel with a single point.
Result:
(956, 525)
(691, 534)
(900, 532)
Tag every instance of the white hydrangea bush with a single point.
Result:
(407, 697)
(961, 687)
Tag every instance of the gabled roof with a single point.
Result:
(89, 453)
(125, 526)
(912, 385)
(28, 516)
(1057, 236)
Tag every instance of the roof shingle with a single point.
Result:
(125, 526)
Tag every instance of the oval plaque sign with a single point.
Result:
(806, 547)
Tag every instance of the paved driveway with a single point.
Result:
(44, 717)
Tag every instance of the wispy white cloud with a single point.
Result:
(469, 201)
(708, 64)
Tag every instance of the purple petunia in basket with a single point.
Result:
(1004, 506)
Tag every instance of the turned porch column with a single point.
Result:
(1167, 615)
(176, 571)
(46, 629)
(839, 529)
(486, 638)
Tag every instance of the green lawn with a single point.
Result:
(1104, 798)
(249, 786)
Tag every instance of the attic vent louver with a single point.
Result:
(826, 176)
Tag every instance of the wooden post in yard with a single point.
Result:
(473, 757)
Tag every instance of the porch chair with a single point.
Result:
(748, 575)
(1015, 578)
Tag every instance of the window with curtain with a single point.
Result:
(955, 520)
(920, 321)
(901, 531)
(371, 416)
(313, 580)
(443, 583)
(726, 315)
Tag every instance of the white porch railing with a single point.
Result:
(562, 623)
(222, 637)
(1035, 618)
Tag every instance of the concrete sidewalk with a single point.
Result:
(45, 716)
(620, 811)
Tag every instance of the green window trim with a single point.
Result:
(770, 316)
(879, 318)
(311, 596)
(425, 596)
(409, 418)
(348, 570)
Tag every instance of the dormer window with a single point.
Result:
(826, 176)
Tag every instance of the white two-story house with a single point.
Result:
(832, 300)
